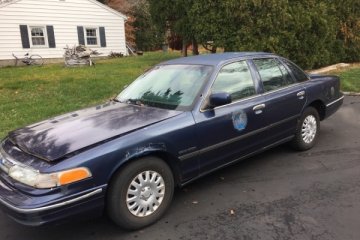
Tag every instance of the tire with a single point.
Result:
(307, 130)
(36, 60)
(157, 191)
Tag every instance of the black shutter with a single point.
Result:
(24, 36)
(102, 36)
(80, 31)
(51, 36)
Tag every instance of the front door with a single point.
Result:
(229, 132)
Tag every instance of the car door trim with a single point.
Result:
(232, 140)
(283, 88)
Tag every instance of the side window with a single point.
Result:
(236, 80)
(299, 74)
(270, 73)
(289, 79)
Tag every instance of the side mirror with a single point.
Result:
(219, 99)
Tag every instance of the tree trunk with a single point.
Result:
(184, 49)
(195, 47)
(213, 49)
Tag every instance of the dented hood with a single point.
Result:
(54, 138)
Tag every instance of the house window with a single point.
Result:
(91, 36)
(38, 36)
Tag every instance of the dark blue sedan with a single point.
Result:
(177, 122)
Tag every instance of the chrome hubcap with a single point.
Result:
(309, 128)
(145, 193)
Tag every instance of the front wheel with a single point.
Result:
(36, 60)
(307, 130)
(140, 193)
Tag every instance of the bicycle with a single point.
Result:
(35, 60)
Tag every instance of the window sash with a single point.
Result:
(38, 41)
(38, 36)
(91, 35)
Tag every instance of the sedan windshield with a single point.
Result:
(172, 87)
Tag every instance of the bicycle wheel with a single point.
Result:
(36, 60)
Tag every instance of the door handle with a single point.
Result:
(258, 108)
(301, 94)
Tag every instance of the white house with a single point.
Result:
(45, 27)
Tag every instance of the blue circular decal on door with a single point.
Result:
(239, 120)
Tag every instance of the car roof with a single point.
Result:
(215, 59)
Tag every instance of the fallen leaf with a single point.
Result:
(232, 212)
(195, 202)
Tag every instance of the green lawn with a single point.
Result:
(350, 79)
(30, 94)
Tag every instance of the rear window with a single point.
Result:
(299, 74)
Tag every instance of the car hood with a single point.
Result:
(57, 137)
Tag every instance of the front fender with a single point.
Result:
(151, 149)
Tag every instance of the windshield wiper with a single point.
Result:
(137, 102)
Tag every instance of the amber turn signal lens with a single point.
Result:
(73, 175)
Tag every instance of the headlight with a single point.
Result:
(2, 164)
(34, 178)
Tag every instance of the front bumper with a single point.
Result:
(33, 210)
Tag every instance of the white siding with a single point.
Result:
(64, 16)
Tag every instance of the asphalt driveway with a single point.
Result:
(280, 194)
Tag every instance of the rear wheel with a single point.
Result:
(307, 130)
(36, 60)
(140, 193)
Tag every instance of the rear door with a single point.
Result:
(285, 98)
(229, 132)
